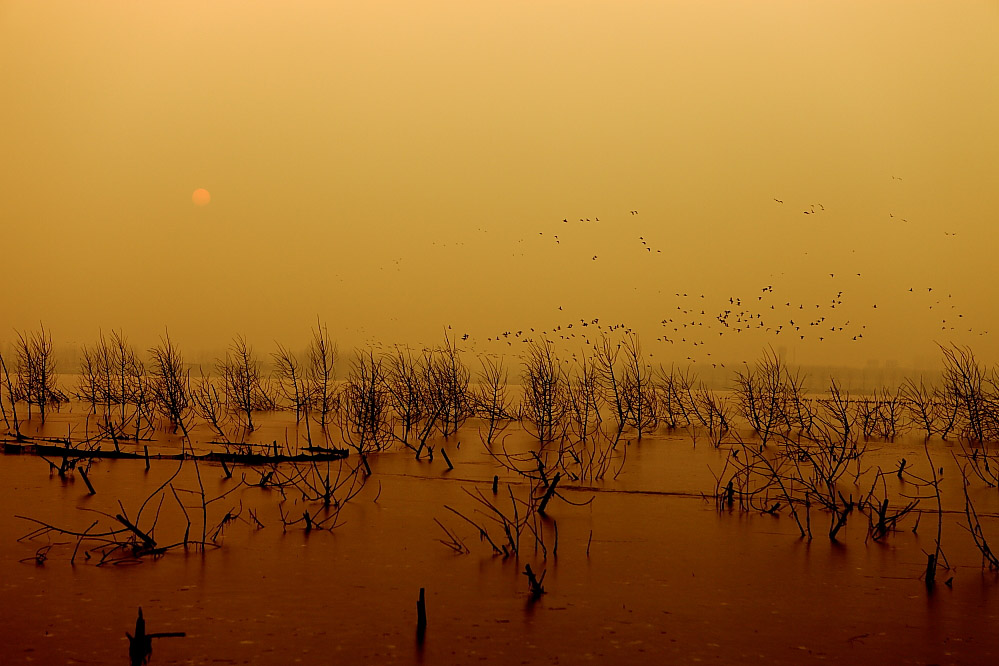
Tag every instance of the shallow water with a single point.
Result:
(648, 572)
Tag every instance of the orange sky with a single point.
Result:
(399, 166)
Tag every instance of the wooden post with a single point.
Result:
(421, 615)
(931, 570)
(146, 450)
(446, 459)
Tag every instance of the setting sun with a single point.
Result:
(201, 197)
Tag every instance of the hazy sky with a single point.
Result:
(399, 166)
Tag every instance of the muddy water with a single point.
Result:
(649, 572)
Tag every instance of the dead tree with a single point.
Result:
(320, 375)
(583, 399)
(290, 382)
(919, 403)
(491, 401)
(545, 403)
(605, 353)
(637, 392)
(967, 385)
(36, 370)
(404, 383)
(365, 407)
(210, 405)
(7, 383)
(446, 378)
(171, 384)
(242, 381)
(113, 377)
(763, 395)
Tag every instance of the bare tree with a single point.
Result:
(36, 370)
(637, 390)
(968, 386)
(113, 376)
(918, 401)
(764, 395)
(171, 384)
(290, 382)
(210, 405)
(583, 392)
(491, 397)
(714, 413)
(446, 378)
(545, 402)
(405, 386)
(6, 382)
(836, 413)
(605, 353)
(891, 413)
(243, 383)
(320, 375)
(365, 408)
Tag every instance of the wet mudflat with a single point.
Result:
(645, 567)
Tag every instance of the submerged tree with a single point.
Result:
(637, 391)
(583, 398)
(320, 375)
(973, 392)
(491, 402)
(605, 354)
(7, 384)
(290, 382)
(36, 370)
(403, 380)
(113, 377)
(365, 408)
(545, 403)
(244, 387)
(766, 396)
(171, 384)
(446, 378)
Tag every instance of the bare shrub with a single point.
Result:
(365, 405)
(36, 371)
(171, 384)
(320, 377)
(446, 379)
(245, 387)
(545, 401)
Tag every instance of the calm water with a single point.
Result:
(666, 579)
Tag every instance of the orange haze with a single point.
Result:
(397, 167)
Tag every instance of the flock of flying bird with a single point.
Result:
(694, 321)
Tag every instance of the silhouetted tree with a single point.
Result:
(545, 402)
(245, 390)
(171, 384)
(36, 370)
(320, 376)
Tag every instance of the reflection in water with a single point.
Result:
(647, 568)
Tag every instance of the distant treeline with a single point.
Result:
(408, 396)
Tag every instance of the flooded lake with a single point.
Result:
(643, 566)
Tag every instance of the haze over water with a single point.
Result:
(398, 167)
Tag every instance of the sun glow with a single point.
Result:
(201, 197)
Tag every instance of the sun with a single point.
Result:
(201, 197)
